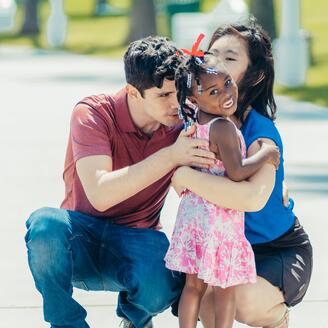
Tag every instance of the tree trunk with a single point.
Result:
(263, 10)
(31, 18)
(142, 20)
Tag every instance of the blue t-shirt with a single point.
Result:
(274, 219)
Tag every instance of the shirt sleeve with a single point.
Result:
(90, 133)
(262, 127)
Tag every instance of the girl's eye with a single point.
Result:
(214, 92)
(227, 83)
(230, 59)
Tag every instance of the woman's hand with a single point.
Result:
(285, 195)
(176, 180)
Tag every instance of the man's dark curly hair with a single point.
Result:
(147, 62)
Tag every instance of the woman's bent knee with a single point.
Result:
(246, 309)
(246, 314)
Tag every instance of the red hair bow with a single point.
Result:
(194, 50)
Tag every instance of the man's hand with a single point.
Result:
(189, 151)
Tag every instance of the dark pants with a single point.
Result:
(67, 249)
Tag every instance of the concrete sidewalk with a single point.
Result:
(38, 92)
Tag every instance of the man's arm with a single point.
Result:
(105, 188)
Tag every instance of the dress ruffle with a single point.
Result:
(223, 264)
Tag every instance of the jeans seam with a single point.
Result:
(100, 252)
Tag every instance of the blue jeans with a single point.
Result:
(67, 248)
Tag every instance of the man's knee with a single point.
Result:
(46, 223)
(48, 233)
(157, 291)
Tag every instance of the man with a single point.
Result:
(121, 154)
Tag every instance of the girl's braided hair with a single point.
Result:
(193, 64)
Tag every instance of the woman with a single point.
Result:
(283, 252)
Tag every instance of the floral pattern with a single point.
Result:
(209, 240)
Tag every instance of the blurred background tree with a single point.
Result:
(106, 36)
(264, 12)
(31, 18)
(142, 20)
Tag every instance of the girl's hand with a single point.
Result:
(272, 153)
(175, 181)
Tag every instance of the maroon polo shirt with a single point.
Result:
(104, 127)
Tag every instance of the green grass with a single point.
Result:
(105, 36)
(315, 20)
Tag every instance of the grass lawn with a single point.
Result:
(105, 36)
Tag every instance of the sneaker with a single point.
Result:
(125, 323)
(149, 324)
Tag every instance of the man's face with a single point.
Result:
(161, 104)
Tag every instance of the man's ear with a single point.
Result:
(132, 91)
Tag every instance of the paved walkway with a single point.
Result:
(38, 92)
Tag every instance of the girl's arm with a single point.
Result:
(224, 137)
(248, 196)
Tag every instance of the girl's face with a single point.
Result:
(219, 94)
(233, 52)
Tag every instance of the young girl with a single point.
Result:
(208, 242)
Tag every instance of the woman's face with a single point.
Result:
(233, 52)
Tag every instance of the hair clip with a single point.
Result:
(189, 78)
(211, 70)
(199, 87)
(199, 61)
(187, 124)
(180, 114)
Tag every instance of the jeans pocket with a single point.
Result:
(80, 284)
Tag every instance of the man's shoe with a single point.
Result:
(149, 324)
(125, 323)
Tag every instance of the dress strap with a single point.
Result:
(216, 119)
(221, 118)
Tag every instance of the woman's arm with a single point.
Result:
(248, 196)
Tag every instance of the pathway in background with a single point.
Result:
(38, 92)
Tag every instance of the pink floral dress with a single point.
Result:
(209, 240)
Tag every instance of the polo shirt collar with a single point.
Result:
(122, 113)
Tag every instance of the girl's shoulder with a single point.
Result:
(222, 129)
(222, 125)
